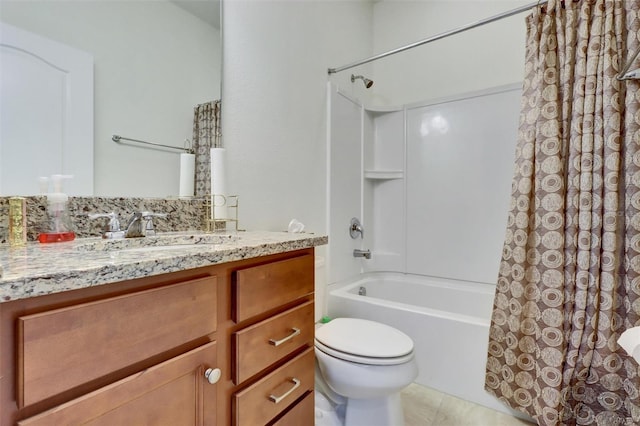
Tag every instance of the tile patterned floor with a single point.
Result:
(427, 407)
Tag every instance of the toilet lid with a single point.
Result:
(364, 338)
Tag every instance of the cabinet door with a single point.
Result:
(174, 392)
(64, 348)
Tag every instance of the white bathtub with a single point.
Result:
(448, 321)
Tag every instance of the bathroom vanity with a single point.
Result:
(219, 333)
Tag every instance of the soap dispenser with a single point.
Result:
(58, 227)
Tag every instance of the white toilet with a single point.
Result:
(365, 364)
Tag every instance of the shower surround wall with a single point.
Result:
(431, 184)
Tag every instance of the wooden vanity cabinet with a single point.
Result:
(136, 352)
(104, 354)
(272, 348)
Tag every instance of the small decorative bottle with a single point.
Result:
(17, 222)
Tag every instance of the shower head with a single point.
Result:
(367, 83)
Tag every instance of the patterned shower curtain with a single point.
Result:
(569, 280)
(206, 135)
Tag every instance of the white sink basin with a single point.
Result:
(163, 248)
(158, 242)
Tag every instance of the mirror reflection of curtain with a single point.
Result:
(206, 135)
(568, 280)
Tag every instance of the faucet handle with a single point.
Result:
(151, 215)
(114, 223)
(355, 229)
(149, 231)
(113, 227)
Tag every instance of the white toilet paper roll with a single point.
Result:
(187, 175)
(219, 183)
(630, 342)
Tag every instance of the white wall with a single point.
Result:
(153, 63)
(487, 56)
(275, 59)
(276, 55)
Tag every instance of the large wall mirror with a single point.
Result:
(153, 62)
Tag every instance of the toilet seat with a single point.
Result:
(364, 342)
(362, 359)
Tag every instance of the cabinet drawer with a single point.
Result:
(302, 414)
(265, 399)
(64, 348)
(174, 392)
(261, 288)
(260, 345)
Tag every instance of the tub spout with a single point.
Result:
(362, 253)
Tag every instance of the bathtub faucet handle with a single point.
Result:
(355, 230)
(362, 253)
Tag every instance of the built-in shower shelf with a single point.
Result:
(383, 174)
(383, 109)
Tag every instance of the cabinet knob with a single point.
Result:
(213, 375)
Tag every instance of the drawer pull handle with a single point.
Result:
(213, 375)
(277, 399)
(296, 331)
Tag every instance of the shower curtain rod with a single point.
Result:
(440, 36)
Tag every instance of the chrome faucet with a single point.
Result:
(362, 253)
(141, 224)
(134, 226)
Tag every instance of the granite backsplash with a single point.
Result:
(182, 215)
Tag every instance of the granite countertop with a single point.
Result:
(40, 269)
